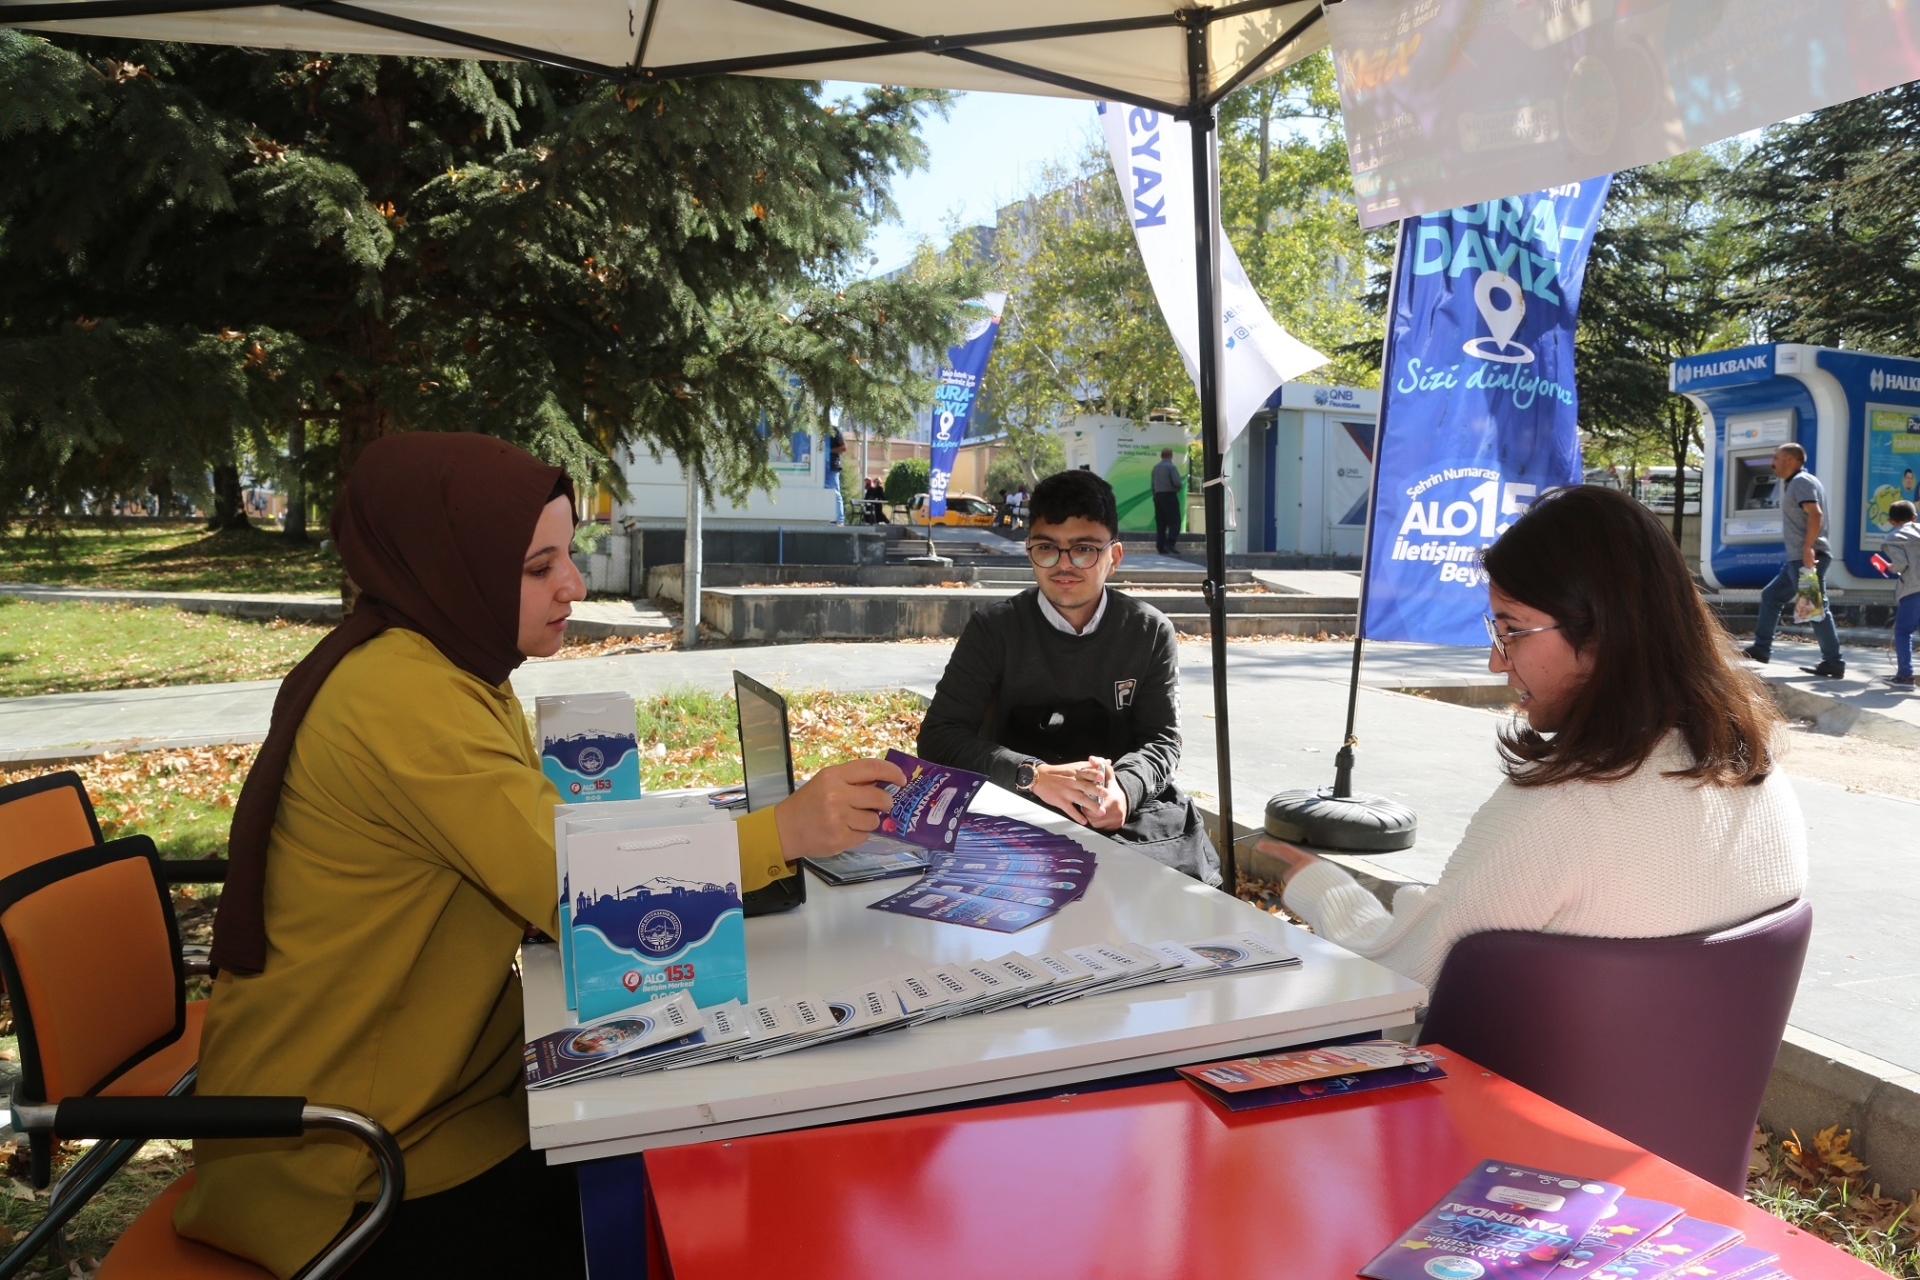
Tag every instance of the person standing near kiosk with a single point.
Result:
(1803, 526)
(1166, 504)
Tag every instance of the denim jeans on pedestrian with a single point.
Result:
(1778, 595)
(1906, 620)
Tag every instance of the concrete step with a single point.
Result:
(1239, 603)
(1267, 624)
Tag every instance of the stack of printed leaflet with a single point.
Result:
(1000, 874)
(1245, 1083)
(609, 1045)
(876, 858)
(667, 1035)
(1529, 1224)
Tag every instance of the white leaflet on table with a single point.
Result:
(918, 993)
(961, 988)
(723, 1029)
(1113, 967)
(855, 1011)
(1241, 952)
(809, 1017)
(672, 1018)
(1192, 963)
(1071, 978)
(1026, 975)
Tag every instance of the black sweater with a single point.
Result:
(1017, 688)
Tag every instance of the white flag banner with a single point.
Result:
(1449, 103)
(1153, 158)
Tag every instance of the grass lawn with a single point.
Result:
(175, 556)
(67, 648)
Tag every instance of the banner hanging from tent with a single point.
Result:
(1451, 101)
(954, 397)
(1153, 159)
(1477, 408)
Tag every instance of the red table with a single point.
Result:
(1149, 1182)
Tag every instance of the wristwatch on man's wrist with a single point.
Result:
(1025, 773)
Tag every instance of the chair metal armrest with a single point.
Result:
(196, 959)
(194, 870)
(237, 1117)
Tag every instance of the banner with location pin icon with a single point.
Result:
(1477, 409)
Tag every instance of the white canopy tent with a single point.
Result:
(1153, 54)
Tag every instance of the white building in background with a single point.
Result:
(801, 494)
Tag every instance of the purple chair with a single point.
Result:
(1667, 1042)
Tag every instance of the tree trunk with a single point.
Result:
(295, 526)
(229, 508)
(162, 487)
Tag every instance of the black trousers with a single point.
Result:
(520, 1218)
(1166, 522)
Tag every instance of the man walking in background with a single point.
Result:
(1166, 504)
(1803, 525)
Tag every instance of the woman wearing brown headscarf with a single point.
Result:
(393, 842)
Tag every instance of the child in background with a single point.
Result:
(1901, 551)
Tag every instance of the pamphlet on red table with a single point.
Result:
(1242, 1084)
(1501, 1218)
(1668, 1250)
(1630, 1222)
(927, 810)
(1740, 1262)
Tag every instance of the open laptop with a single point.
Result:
(766, 759)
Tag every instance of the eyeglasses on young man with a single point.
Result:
(1081, 555)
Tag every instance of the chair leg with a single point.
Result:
(78, 1185)
(69, 1196)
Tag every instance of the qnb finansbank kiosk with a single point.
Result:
(1856, 415)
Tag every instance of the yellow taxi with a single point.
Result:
(964, 510)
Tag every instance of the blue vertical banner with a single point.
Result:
(954, 396)
(1477, 408)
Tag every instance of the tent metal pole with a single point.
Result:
(692, 558)
(1206, 258)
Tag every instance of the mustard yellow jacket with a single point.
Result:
(413, 844)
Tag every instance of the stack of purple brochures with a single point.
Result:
(1527, 1224)
(990, 872)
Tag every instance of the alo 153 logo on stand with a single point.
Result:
(1453, 513)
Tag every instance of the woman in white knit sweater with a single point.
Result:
(1642, 797)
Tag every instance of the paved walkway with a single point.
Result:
(594, 619)
(1862, 982)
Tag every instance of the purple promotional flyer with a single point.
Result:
(1687, 1241)
(1502, 1219)
(927, 810)
(949, 907)
(1630, 1222)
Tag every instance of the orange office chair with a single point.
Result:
(91, 957)
(40, 819)
(52, 814)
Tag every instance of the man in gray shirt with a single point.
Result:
(1803, 525)
(1166, 504)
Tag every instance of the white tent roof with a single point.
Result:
(1122, 50)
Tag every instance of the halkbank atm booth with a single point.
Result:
(1857, 416)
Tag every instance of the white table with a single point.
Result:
(834, 942)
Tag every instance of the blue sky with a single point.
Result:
(987, 152)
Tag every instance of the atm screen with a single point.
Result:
(1756, 488)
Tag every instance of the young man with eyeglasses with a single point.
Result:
(1070, 692)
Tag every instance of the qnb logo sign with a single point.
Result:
(1685, 373)
(1879, 379)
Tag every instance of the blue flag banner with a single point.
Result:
(1477, 407)
(954, 396)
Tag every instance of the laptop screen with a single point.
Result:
(765, 755)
